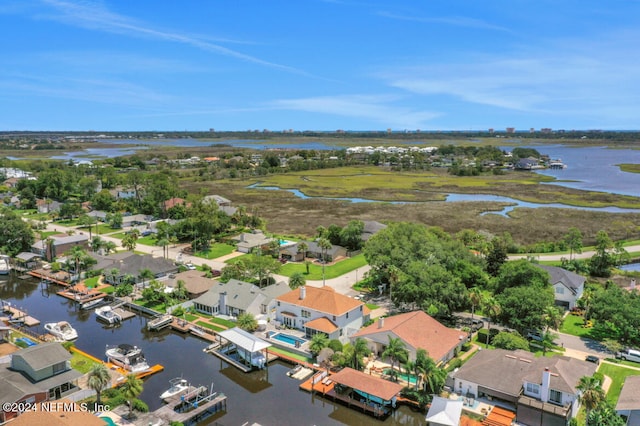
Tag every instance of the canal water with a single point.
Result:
(268, 397)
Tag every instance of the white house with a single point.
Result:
(567, 286)
(321, 310)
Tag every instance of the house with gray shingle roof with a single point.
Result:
(543, 391)
(237, 297)
(130, 264)
(39, 373)
(567, 286)
(628, 405)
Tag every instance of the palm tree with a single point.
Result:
(98, 379)
(592, 394)
(130, 389)
(360, 350)
(475, 297)
(145, 274)
(97, 243)
(552, 317)
(409, 367)
(324, 245)
(493, 309)
(297, 280)
(395, 351)
(129, 242)
(247, 322)
(180, 291)
(318, 342)
(302, 248)
(110, 246)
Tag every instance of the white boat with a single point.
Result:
(5, 264)
(160, 322)
(128, 357)
(92, 303)
(61, 330)
(108, 315)
(178, 386)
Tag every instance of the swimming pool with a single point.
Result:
(287, 338)
(285, 243)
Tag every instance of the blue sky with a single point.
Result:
(319, 64)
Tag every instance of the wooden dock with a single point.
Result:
(17, 316)
(191, 408)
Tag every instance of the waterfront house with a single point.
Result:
(117, 267)
(567, 286)
(321, 310)
(543, 391)
(371, 227)
(26, 261)
(39, 373)
(417, 330)
(529, 163)
(628, 405)
(195, 282)
(237, 297)
(331, 254)
(59, 244)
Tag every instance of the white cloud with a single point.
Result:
(457, 21)
(95, 16)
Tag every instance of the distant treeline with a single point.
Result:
(391, 135)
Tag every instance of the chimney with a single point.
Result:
(546, 381)
(303, 292)
(380, 322)
(242, 237)
(222, 303)
(633, 284)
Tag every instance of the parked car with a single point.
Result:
(592, 358)
(629, 355)
(536, 335)
(190, 266)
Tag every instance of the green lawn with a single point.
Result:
(372, 306)
(331, 271)
(618, 374)
(81, 363)
(290, 354)
(108, 290)
(237, 259)
(216, 250)
(91, 282)
(209, 326)
(226, 323)
(46, 234)
(573, 325)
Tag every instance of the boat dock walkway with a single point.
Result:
(189, 408)
(15, 315)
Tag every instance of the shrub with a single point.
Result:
(179, 311)
(140, 405)
(335, 345)
(483, 336)
(455, 363)
(68, 345)
(466, 347)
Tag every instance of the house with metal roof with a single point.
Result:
(321, 310)
(59, 244)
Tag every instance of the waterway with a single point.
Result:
(268, 397)
(452, 198)
(631, 267)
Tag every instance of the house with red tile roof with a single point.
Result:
(417, 330)
(321, 310)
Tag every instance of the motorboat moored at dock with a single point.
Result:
(178, 386)
(128, 357)
(108, 315)
(61, 330)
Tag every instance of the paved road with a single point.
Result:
(341, 284)
(556, 257)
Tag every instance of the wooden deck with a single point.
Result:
(499, 417)
(15, 315)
